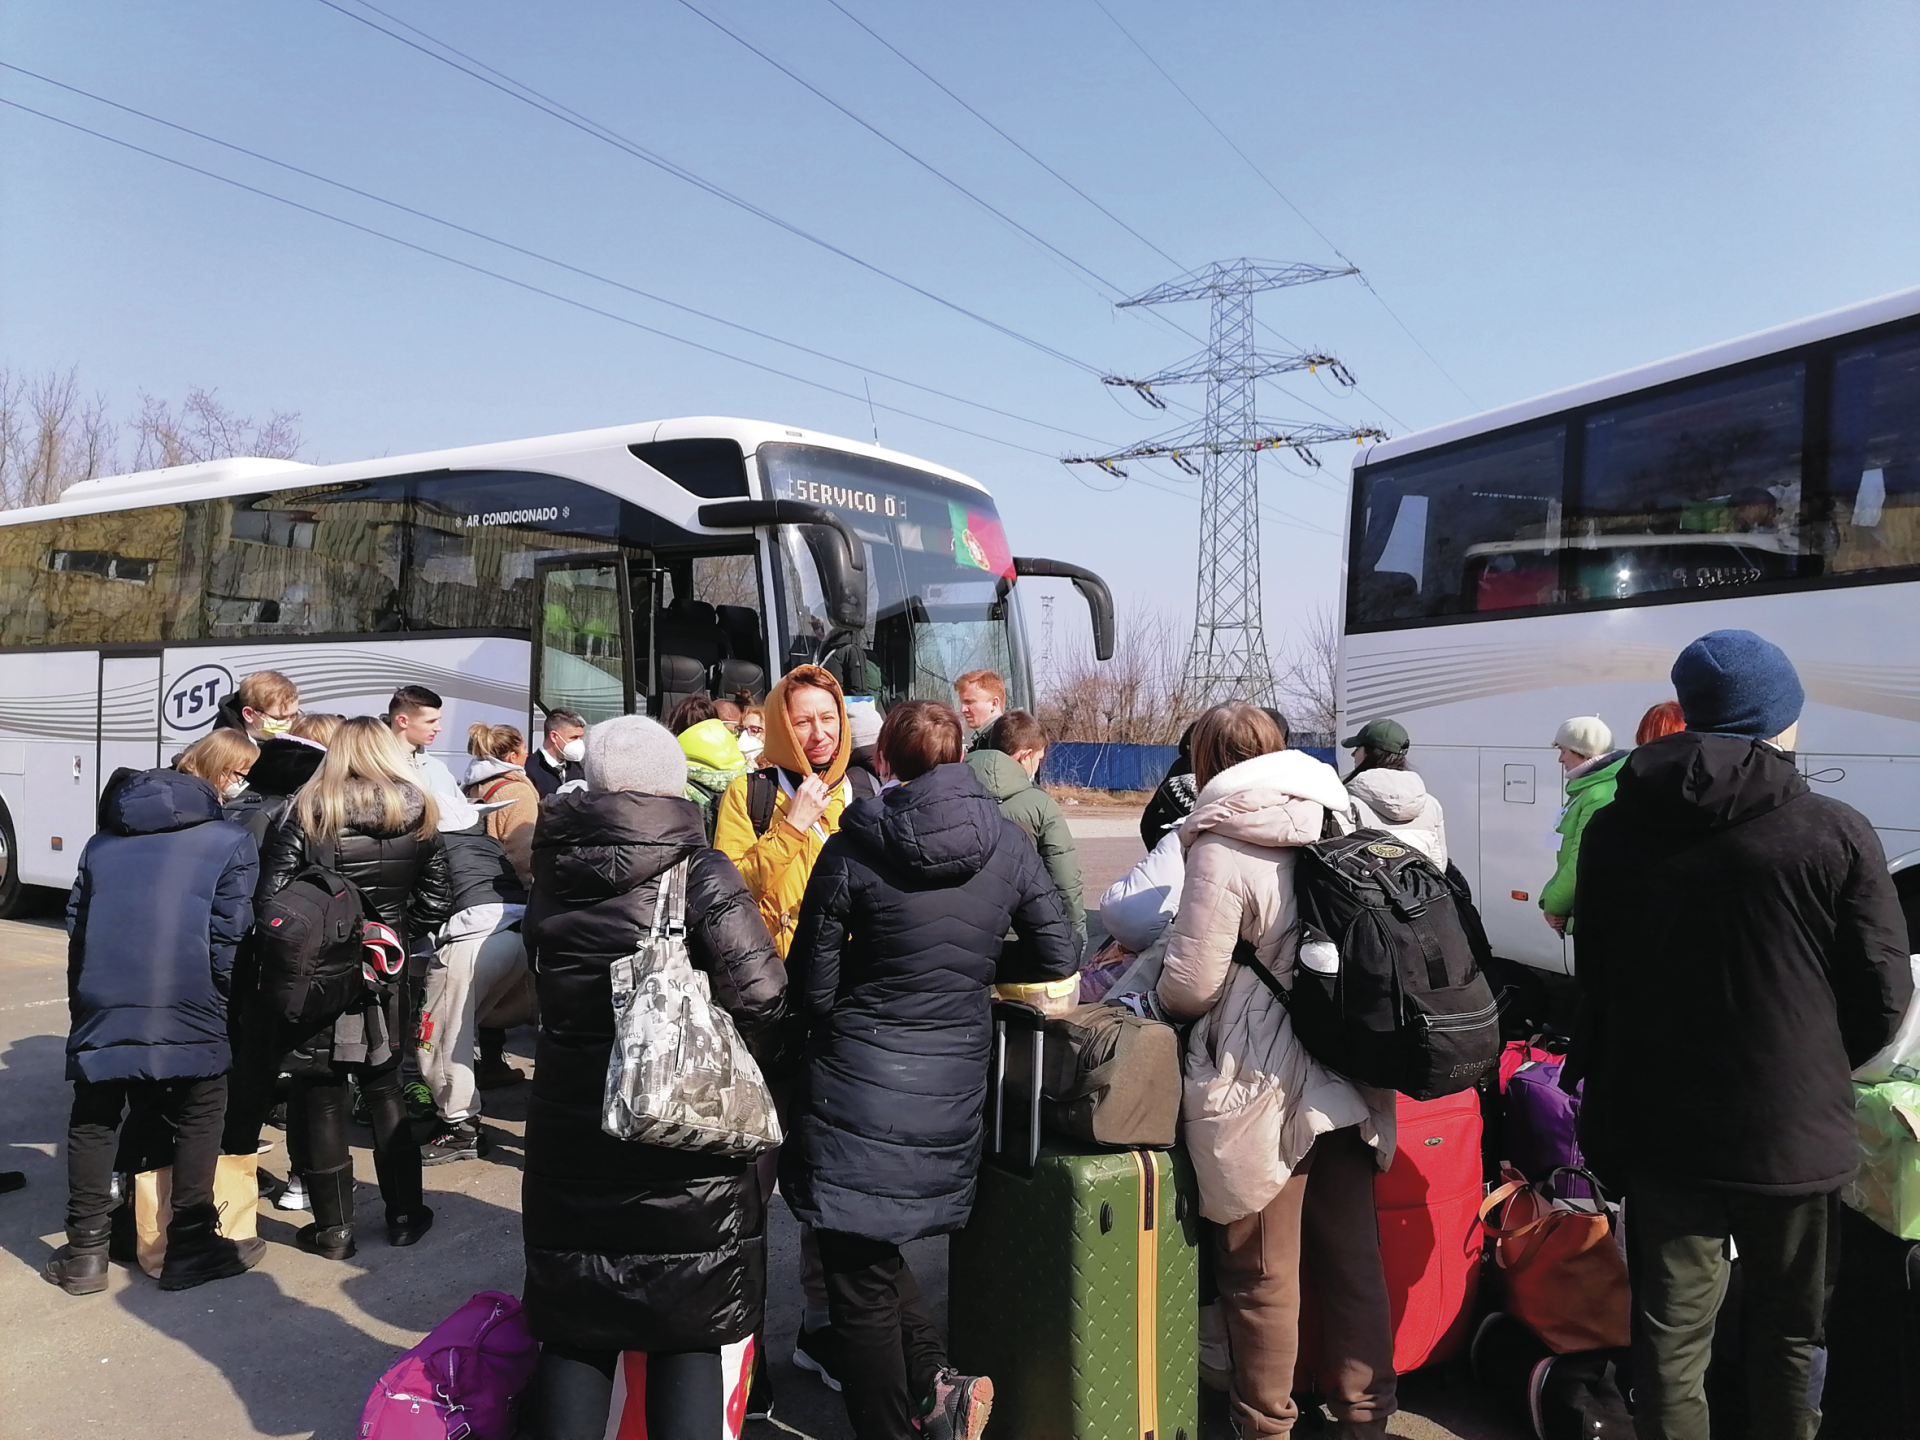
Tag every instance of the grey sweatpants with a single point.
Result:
(478, 976)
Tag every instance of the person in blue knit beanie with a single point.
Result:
(1731, 916)
(1733, 682)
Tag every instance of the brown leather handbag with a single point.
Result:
(1562, 1270)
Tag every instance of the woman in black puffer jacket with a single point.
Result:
(633, 1246)
(364, 817)
(898, 944)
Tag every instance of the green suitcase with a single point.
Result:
(1077, 1289)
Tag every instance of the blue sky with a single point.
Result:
(1542, 193)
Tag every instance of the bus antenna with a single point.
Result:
(871, 415)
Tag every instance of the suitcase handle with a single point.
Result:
(1014, 1085)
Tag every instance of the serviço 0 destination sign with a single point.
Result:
(844, 497)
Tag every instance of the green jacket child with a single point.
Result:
(1588, 738)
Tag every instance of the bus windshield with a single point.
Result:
(939, 576)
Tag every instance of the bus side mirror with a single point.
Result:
(837, 551)
(1092, 589)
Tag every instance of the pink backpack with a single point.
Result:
(463, 1382)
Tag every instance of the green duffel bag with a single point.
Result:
(1111, 1078)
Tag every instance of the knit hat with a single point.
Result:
(631, 752)
(863, 719)
(1732, 682)
(1586, 735)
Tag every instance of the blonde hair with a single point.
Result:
(493, 742)
(1229, 734)
(212, 756)
(363, 749)
(318, 728)
(264, 689)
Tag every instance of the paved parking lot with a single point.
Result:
(291, 1348)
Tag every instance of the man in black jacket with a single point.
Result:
(1742, 948)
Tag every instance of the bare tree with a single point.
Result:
(52, 435)
(205, 429)
(1134, 698)
(1309, 675)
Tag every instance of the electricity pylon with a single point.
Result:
(1228, 659)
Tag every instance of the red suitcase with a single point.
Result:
(1429, 1204)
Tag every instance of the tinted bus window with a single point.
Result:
(90, 578)
(1872, 513)
(1475, 529)
(1698, 490)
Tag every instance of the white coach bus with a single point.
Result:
(603, 572)
(1551, 558)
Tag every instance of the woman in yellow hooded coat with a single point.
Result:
(807, 745)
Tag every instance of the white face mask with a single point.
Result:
(751, 746)
(234, 791)
(574, 751)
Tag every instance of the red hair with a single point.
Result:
(1662, 720)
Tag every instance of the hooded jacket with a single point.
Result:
(406, 883)
(776, 865)
(1742, 948)
(1037, 814)
(163, 897)
(1254, 1099)
(898, 944)
(632, 1246)
(1397, 802)
(286, 762)
(489, 781)
(714, 762)
(1587, 792)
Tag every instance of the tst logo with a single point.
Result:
(194, 699)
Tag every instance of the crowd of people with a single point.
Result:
(854, 887)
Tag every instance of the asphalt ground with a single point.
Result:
(292, 1347)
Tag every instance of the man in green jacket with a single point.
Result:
(1005, 763)
(1592, 765)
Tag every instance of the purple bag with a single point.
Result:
(463, 1382)
(1542, 1127)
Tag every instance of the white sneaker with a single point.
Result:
(293, 1195)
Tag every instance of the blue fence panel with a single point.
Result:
(1122, 767)
(1107, 767)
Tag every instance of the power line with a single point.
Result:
(537, 255)
(887, 139)
(547, 106)
(516, 283)
(951, 95)
(1266, 180)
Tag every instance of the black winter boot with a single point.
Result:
(330, 1193)
(79, 1267)
(197, 1252)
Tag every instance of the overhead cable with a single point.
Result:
(527, 95)
(1266, 180)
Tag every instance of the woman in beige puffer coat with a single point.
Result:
(1286, 1151)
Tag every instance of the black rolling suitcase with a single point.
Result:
(1873, 1336)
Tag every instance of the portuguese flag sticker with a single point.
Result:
(978, 541)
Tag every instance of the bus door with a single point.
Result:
(129, 713)
(1520, 800)
(708, 627)
(582, 638)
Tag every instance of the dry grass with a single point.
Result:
(1081, 796)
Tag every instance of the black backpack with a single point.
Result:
(763, 789)
(309, 942)
(1401, 1000)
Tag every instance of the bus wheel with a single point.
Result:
(12, 892)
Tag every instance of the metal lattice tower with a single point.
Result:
(1228, 659)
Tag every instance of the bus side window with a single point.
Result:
(1872, 519)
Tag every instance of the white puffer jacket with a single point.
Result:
(1254, 1100)
(1397, 801)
